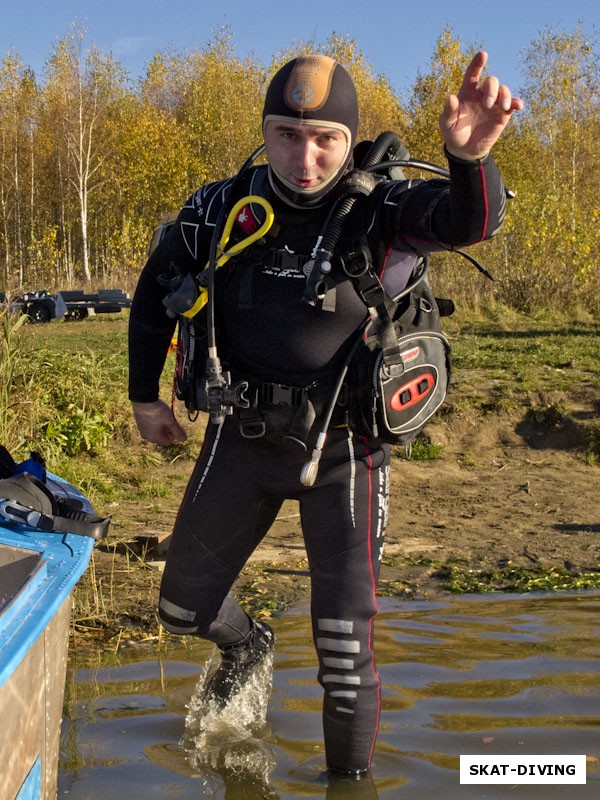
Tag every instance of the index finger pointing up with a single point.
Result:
(474, 70)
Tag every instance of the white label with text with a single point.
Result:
(522, 769)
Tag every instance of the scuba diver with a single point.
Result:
(284, 330)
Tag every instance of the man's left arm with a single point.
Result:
(471, 123)
(471, 206)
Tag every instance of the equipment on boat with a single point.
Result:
(47, 534)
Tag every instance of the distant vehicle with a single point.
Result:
(41, 306)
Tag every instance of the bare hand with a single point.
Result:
(473, 120)
(156, 423)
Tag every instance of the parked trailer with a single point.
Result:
(107, 301)
(41, 306)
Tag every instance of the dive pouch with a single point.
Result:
(400, 372)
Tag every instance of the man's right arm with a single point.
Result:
(184, 250)
(151, 331)
(150, 334)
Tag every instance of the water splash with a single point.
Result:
(229, 739)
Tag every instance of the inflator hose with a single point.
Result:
(316, 287)
(217, 381)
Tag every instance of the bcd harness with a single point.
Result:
(399, 362)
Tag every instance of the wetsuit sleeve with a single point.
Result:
(150, 328)
(150, 333)
(475, 206)
(467, 209)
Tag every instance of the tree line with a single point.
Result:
(90, 162)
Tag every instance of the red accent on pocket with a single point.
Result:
(245, 219)
(411, 392)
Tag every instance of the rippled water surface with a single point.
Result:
(490, 675)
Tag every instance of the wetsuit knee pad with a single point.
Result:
(229, 626)
(346, 664)
(176, 619)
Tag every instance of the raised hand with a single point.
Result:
(473, 120)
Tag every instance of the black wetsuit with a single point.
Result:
(269, 334)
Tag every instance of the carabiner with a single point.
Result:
(237, 248)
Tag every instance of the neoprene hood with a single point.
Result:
(318, 89)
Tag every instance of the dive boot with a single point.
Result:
(237, 662)
(358, 785)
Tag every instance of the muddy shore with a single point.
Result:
(508, 505)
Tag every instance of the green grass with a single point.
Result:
(65, 393)
(461, 579)
(420, 450)
(68, 400)
(529, 350)
(545, 371)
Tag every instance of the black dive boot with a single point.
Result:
(350, 785)
(237, 662)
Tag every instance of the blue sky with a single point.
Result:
(397, 37)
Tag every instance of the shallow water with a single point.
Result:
(491, 675)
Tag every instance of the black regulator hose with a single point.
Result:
(381, 147)
(355, 184)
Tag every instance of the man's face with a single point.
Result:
(304, 156)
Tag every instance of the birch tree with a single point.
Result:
(82, 92)
(18, 93)
(562, 92)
